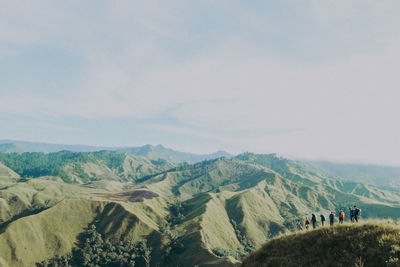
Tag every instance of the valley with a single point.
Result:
(211, 213)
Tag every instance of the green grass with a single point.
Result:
(218, 210)
(375, 243)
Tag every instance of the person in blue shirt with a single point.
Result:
(351, 213)
(332, 218)
(357, 213)
(323, 219)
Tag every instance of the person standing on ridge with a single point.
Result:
(332, 218)
(299, 225)
(351, 212)
(341, 216)
(323, 219)
(313, 220)
(357, 212)
(307, 223)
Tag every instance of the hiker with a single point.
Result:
(299, 225)
(331, 218)
(313, 220)
(341, 216)
(357, 212)
(323, 219)
(307, 223)
(351, 212)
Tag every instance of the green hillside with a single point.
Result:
(148, 151)
(212, 213)
(74, 167)
(369, 244)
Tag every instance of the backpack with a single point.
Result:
(323, 218)
(341, 215)
(357, 212)
(307, 222)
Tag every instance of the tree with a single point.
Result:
(146, 252)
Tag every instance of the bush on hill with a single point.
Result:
(94, 251)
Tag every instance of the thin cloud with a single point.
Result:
(305, 84)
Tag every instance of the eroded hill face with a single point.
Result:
(214, 212)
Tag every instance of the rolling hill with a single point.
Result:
(84, 167)
(211, 213)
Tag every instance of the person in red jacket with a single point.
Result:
(341, 216)
(307, 223)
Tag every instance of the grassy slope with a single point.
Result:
(369, 244)
(6, 172)
(7, 176)
(261, 201)
(37, 194)
(263, 195)
(55, 230)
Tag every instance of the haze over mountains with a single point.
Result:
(374, 174)
(150, 151)
(212, 212)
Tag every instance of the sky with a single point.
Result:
(302, 78)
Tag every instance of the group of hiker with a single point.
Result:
(354, 214)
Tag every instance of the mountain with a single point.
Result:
(10, 147)
(149, 151)
(370, 244)
(83, 167)
(211, 213)
(48, 148)
(388, 176)
(160, 152)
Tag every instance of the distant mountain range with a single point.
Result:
(387, 177)
(149, 151)
(384, 176)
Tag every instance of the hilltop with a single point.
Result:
(367, 244)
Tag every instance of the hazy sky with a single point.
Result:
(312, 78)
